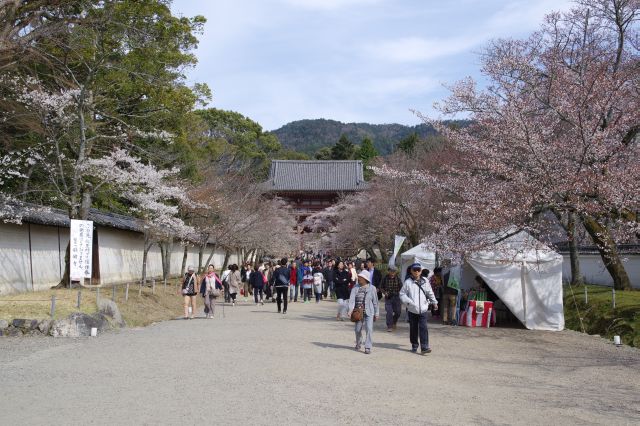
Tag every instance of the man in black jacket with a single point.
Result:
(281, 282)
(329, 277)
(376, 276)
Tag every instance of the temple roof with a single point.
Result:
(315, 176)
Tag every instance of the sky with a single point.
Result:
(373, 61)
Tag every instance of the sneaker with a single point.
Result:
(262, 303)
(358, 347)
(284, 312)
(279, 311)
(367, 351)
(389, 330)
(426, 351)
(414, 350)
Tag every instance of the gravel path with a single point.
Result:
(258, 367)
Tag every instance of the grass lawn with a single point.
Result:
(139, 310)
(598, 315)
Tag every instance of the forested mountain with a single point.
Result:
(308, 136)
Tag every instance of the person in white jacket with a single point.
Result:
(417, 294)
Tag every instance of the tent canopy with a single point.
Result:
(417, 254)
(526, 275)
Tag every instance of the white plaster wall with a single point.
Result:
(15, 274)
(594, 272)
(121, 257)
(120, 254)
(45, 251)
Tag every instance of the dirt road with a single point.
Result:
(258, 367)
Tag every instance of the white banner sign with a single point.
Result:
(396, 248)
(81, 246)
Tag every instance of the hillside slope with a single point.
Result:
(310, 135)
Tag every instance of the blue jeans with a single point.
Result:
(367, 324)
(418, 326)
(293, 292)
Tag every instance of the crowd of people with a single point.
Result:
(358, 287)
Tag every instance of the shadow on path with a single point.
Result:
(392, 346)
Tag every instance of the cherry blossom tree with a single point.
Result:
(369, 220)
(235, 215)
(555, 130)
(154, 196)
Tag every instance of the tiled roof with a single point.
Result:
(315, 176)
(30, 213)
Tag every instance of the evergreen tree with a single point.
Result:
(408, 144)
(323, 153)
(343, 149)
(367, 153)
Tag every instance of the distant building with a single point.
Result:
(311, 186)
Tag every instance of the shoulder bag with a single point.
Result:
(358, 313)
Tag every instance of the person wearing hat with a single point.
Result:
(190, 285)
(364, 296)
(390, 287)
(417, 294)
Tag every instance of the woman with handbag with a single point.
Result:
(364, 310)
(189, 291)
(235, 283)
(210, 289)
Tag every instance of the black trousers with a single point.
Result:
(282, 293)
(257, 291)
(418, 327)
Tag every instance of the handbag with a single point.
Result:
(358, 313)
(215, 291)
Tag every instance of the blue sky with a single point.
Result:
(373, 61)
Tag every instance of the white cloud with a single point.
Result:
(523, 15)
(418, 49)
(329, 4)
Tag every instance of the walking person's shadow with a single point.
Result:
(391, 346)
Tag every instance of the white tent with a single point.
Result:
(526, 276)
(417, 254)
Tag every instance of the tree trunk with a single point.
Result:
(383, 255)
(201, 256)
(184, 259)
(248, 255)
(227, 255)
(65, 282)
(608, 251)
(576, 276)
(166, 247)
(145, 253)
(371, 253)
(213, 251)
